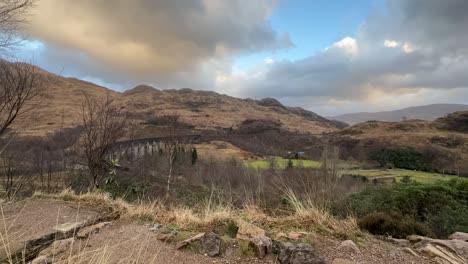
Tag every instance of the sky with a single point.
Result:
(328, 56)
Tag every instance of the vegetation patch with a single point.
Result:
(439, 208)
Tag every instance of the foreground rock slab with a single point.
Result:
(299, 254)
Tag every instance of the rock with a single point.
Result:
(56, 248)
(342, 261)
(459, 236)
(410, 251)
(296, 235)
(451, 251)
(14, 248)
(398, 242)
(441, 253)
(68, 228)
(211, 244)
(280, 236)
(415, 238)
(349, 245)
(41, 260)
(299, 254)
(87, 231)
(262, 245)
(184, 243)
(155, 227)
(247, 231)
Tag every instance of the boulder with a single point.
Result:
(451, 251)
(87, 231)
(299, 254)
(211, 244)
(68, 229)
(349, 246)
(280, 236)
(184, 243)
(410, 251)
(441, 253)
(262, 245)
(415, 238)
(55, 249)
(296, 235)
(398, 242)
(247, 231)
(459, 236)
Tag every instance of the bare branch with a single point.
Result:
(20, 85)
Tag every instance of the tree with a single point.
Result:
(103, 125)
(194, 156)
(12, 19)
(20, 89)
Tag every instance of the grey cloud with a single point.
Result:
(166, 42)
(429, 52)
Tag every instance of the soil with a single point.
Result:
(125, 241)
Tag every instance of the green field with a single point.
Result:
(281, 163)
(398, 174)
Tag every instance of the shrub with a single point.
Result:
(442, 206)
(392, 224)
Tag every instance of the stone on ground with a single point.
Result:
(459, 236)
(89, 230)
(349, 245)
(299, 254)
(190, 240)
(262, 245)
(247, 231)
(211, 244)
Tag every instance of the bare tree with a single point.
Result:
(12, 19)
(103, 125)
(20, 86)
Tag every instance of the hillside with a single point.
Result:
(62, 103)
(425, 112)
(442, 142)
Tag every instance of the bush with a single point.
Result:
(400, 158)
(441, 206)
(393, 224)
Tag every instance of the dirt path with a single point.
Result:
(124, 241)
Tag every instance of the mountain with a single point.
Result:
(425, 112)
(202, 110)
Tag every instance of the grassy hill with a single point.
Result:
(61, 107)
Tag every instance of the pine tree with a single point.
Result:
(194, 156)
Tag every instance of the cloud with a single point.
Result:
(165, 42)
(405, 48)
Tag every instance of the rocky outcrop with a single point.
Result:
(211, 244)
(349, 246)
(262, 245)
(47, 255)
(452, 251)
(246, 231)
(89, 230)
(459, 236)
(299, 254)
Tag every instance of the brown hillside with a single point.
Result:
(61, 107)
(445, 138)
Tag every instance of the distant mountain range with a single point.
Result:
(425, 112)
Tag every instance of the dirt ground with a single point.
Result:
(31, 219)
(125, 241)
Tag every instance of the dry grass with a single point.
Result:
(305, 216)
